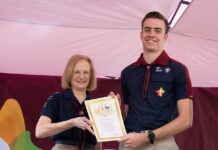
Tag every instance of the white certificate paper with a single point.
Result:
(106, 118)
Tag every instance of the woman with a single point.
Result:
(64, 116)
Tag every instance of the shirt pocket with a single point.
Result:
(162, 82)
(162, 77)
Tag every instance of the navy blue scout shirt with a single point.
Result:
(169, 82)
(60, 108)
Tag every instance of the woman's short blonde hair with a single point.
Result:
(68, 72)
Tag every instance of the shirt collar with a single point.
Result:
(69, 95)
(162, 60)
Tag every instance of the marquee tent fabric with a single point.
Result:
(38, 36)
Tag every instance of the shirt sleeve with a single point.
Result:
(125, 91)
(50, 108)
(183, 87)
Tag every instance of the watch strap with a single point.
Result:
(151, 136)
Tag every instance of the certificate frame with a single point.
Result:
(97, 118)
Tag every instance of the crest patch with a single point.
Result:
(160, 92)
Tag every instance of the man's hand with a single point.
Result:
(118, 96)
(133, 140)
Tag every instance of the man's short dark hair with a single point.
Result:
(157, 15)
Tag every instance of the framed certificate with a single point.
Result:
(106, 118)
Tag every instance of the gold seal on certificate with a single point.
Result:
(106, 118)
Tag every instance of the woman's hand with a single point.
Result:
(83, 123)
(45, 127)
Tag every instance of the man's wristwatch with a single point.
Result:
(151, 136)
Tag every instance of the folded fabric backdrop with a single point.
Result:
(32, 91)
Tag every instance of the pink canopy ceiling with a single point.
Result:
(38, 36)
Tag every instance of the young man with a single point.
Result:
(156, 92)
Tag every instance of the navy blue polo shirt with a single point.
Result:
(169, 82)
(60, 108)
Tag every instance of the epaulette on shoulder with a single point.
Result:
(52, 95)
